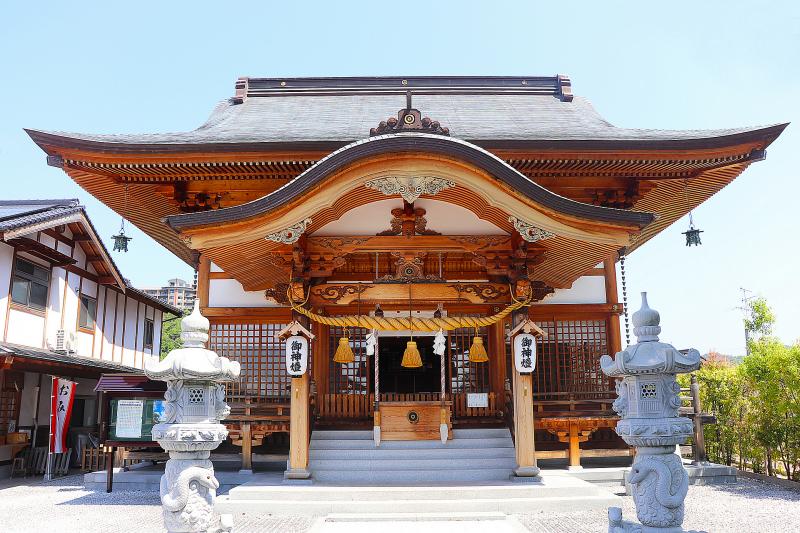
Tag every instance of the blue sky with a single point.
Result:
(101, 67)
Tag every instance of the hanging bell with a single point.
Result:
(344, 354)
(411, 357)
(477, 352)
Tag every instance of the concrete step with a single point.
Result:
(358, 444)
(410, 462)
(416, 517)
(420, 453)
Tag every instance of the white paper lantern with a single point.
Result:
(296, 355)
(525, 353)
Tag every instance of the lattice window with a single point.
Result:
(9, 400)
(254, 346)
(466, 376)
(569, 359)
(349, 378)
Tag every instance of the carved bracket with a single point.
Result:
(410, 188)
(529, 232)
(291, 234)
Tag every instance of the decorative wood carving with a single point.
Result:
(334, 293)
(409, 270)
(336, 243)
(409, 119)
(410, 188)
(408, 221)
(528, 231)
(278, 293)
(291, 234)
(483, 291)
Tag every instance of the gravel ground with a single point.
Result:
(32, 506)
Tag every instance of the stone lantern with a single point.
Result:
(195, 404)
(648, 402)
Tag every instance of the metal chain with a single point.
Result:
(625, 299)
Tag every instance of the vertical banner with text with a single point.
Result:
(60, 413)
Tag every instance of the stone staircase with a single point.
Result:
(350, 457)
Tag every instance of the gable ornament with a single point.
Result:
(291, 234)
(528, 231)
(410, 188)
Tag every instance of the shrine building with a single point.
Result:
(376, 212)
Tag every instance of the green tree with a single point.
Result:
(759, 320)
(170, 335)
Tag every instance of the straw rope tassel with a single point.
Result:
(411, 357)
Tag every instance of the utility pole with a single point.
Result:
(746, 309)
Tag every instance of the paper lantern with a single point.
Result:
(296, 355)
(525, 353)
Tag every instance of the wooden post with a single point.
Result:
(700, 456)
(298, 430)
(497, 361)
(247, 441)
(110, 469)
(614, 333)
(523, 426)
(203, 281)
(574, 448)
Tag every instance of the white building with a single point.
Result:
(176, 292)
(65, 311)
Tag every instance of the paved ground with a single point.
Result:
(32, 506)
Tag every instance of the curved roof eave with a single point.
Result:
(409, 143)
(624, 139)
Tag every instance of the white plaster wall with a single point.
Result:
(158, 316)
(57, 280)
(89, 288)
(585, 290)
(215, 268)
(230, 293)
(139, 332)
(6, 261)
(109, 316)
(120, 321)
(71, 302)
(128, 354)
(25, 328)
(98, 325)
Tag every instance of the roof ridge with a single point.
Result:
(66, 202)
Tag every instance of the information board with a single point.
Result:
(132, 419)
(477, 399)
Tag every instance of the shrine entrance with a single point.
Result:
(394, 378)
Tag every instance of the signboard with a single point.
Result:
(129, 419)
(132, 419)
(477, 399)
(525, 353)
(296, 355)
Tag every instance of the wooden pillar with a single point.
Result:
(497, 360)
(614, 333)
(299, 430)
(203, 281)
(247, 441)
(574, 448)
(523, 426)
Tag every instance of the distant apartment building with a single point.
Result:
(176, 292)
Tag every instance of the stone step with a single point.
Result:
(359, 444)
(479, 433)
(420, 453)
(225, 504)
(411, 462)
(416, 517)
(262, 488)
(382, 475)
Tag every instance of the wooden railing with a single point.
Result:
(361, 406)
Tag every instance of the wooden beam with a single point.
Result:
(343, 294)
(278, 314)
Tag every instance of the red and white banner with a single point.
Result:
(60, 413)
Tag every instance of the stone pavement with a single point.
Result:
(33, 506)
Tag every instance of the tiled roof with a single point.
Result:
(18, 350)
(19, 213)
(330, 111)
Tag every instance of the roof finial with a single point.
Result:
(408, 100)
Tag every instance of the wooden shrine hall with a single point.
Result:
(378, 211)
